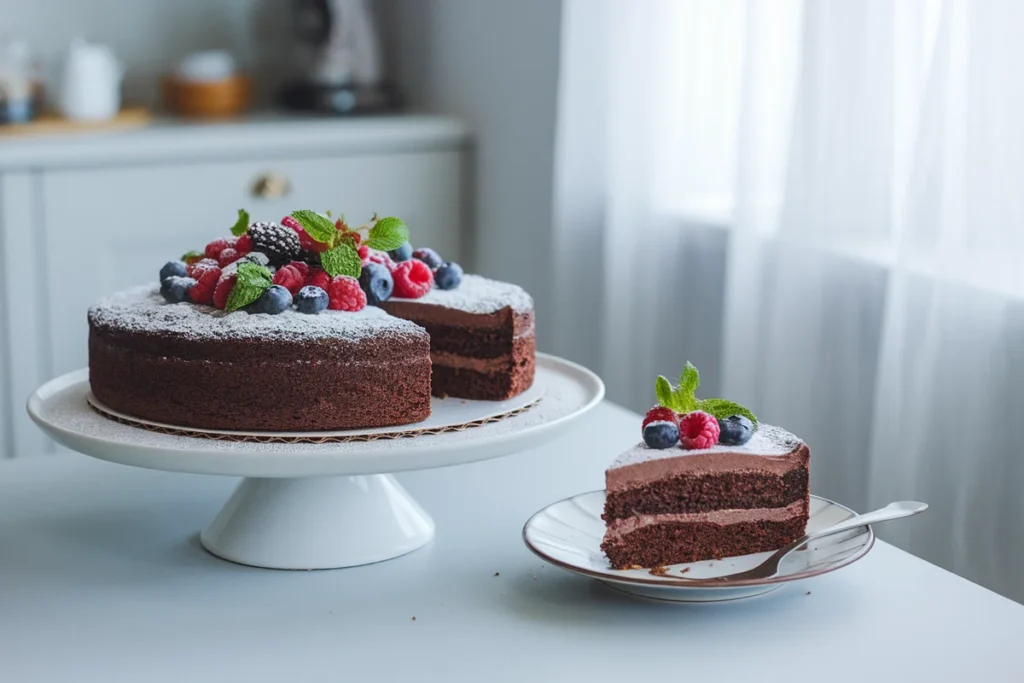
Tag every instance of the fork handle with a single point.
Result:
(904, 508)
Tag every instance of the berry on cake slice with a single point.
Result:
(382, 258)
(377, 283)
(173, 269)
(661, 434)
(279, 243)
(274, 300)
(402, 253)
(290, 278)
(318, 277)
(311, 300)
(175, 288)
(413, 279)
(228, 256)
(306, 243)
(428, 256)
(735, 430)
(206, 282)
(223, 290)
(300, 266)
(448, 276)
(214, 248)
(202, 264)
(243, 245)
(660, 414)
(346, 294)
(698, 430)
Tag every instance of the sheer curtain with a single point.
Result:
(818, 203)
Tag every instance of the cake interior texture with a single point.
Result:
(675, 506)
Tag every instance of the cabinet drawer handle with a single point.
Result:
(271, 186)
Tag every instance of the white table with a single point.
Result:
(102, 579)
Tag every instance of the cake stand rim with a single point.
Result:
(291, 460)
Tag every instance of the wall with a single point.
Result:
(495, 65)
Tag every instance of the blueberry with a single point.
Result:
(448, 276)
(377, 283)
(275, 300)
(428, 256)
(735, 430)
(661, 434)
(311, 299)
(175, 288)
(403, 253)
(173, 269)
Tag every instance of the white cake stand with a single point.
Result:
(309, 505)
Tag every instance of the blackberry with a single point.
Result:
(279, 243)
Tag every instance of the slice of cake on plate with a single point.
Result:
(707, 482)
(288, 327)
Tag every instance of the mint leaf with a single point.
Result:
(252, 280)
(663, 390)
(721, 409)
(690, 379)
(191, 257)
(387, 234)
(242, 224)
(342, 260)
(316, 226)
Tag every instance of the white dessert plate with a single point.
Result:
(568, 535)
(445, 414)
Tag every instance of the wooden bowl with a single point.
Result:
(207, 99)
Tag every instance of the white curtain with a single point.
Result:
(820, 205)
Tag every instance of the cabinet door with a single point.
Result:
(109, 229)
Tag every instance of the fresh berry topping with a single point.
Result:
(318, 277)
(311, 300)
(279, 243)
(175, 288)
(214, 248)
(274, 300)
(306, 242)
(173, 269)
(377, 283)
(659, 414)
(228, 256)
(223, 290)
(428, 256)
(243, 245)
(448, 276)
(403, 253)
(413, 279)
(300, 266)
(382, 258)
(206, 282)
(290, 278)
(661, 434)
(346, 294)
(735, 430)
(698, 430)
(201, 265)
(364, 251)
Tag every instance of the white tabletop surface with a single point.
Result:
(102, 579)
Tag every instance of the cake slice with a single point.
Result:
(482, 343)
(672, 505)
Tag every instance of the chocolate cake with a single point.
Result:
(195, 366)
(482, 342)
(673, 505)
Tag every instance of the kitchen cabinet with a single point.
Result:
(82, 218)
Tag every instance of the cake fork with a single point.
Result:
(770, 567)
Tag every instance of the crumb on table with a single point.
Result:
(684, 570)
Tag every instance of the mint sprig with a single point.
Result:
(387, 234)
(316, 226)
(251, 281)
(343, 259)
(242, 224)
(683, 399)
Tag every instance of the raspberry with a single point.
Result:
(223, 290)
(206, 282)
(319, 278)
(243, 245)
(201, 265)
(290, 278)
(382, 258)
(660, 414)
(228, 255)
(305, 241)
(364, 251)
(346, 295)
(413, 279)
(300, 266)
(214, 248)
(698, 430)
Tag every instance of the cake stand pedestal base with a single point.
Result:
(318, 522)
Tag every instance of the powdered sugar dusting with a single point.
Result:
(476, 294)
(768, 440)
(143, 310)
